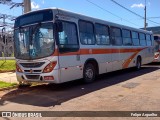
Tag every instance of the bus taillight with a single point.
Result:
(49, 67)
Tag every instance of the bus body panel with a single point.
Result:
(70, 68)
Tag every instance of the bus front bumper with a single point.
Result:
(51, 77)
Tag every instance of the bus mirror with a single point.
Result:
(59, 26)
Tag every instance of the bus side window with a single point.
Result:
(102, 34)
(142, 39)
(127, 37)
(86, 30)
(135, 38)
(148, 39)
(68, 39)
(116, 36)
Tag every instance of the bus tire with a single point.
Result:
(24, 84)
(89, 73)
(138, 63)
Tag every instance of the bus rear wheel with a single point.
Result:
(138, 63)
(89, 73)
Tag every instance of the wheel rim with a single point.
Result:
(89, 73)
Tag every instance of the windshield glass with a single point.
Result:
(34, 42)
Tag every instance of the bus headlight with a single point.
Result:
(18, 68)
(49, 67)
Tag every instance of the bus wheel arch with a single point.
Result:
(90, 70)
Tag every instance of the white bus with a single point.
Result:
(56, 46)
(157, 48)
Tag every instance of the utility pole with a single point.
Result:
(145, 24)
(27, 5)
(4, 36)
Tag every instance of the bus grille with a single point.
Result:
(34, 71)
(32, 65)
(32, 76)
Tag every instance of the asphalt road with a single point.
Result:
(125, 90)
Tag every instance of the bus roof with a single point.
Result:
(59, 11)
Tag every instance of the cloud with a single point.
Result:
(137, 5)
(34, 5)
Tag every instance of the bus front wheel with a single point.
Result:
(25, 84)
(89, 73)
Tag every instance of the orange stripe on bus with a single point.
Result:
(103, 51)
(98, 51)
(128, 61)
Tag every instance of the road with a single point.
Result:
(125, 90)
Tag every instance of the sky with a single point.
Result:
(101, 9)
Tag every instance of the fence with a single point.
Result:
(6, 45)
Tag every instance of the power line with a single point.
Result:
(127, 9)
(10, 17)
(111, 13)
(10, 3)
(104, 9)
(6, 24)
(133, 12)
(153, 17)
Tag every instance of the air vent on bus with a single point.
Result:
(34, 71)
(32, 65)
(32, 77)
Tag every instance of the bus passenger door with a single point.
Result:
(116, 40)
(69, 53)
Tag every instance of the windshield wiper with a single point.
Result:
(21, 30)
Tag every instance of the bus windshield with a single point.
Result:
(34, 42)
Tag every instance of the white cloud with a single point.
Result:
(34, 5)
(137, 5)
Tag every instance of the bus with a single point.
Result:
(56, 46)
(157, 48)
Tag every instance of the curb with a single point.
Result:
(1, 71)
(8, 88)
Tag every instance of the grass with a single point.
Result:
(7, 66)
(6, 85)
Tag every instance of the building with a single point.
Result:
(155, 30)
